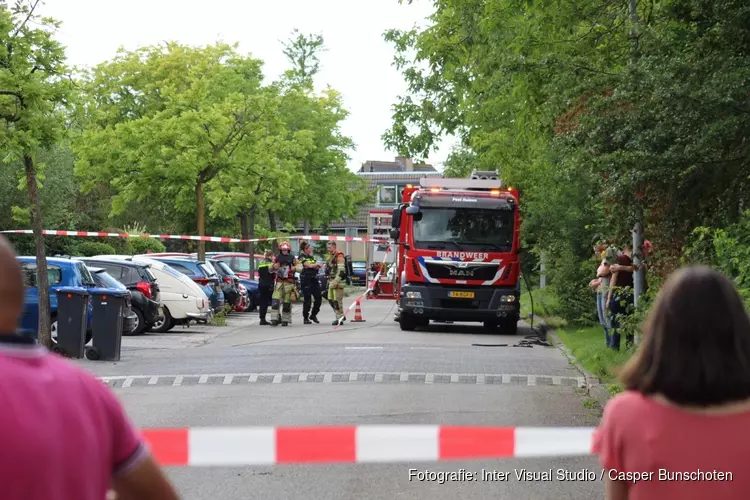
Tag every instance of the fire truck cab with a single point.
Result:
(458, 253)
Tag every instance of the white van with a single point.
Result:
(182, 298)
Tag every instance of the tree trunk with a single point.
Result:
(248, 233)
(201, 218)
(44, 333)
(307, 227)
(272, 227)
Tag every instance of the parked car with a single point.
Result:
(104, 280)
(182, 299)
(142, 284)
(230, 283)
(253, 294)
(237, 261)
(200, 272)
(359, 273)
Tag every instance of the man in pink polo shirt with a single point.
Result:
(63, 433)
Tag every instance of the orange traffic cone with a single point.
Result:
(358, 313)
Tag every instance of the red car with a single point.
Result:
(238, 262)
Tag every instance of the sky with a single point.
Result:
(357, 62)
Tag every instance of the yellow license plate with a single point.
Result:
(461, 295)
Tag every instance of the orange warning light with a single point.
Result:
(70, 295)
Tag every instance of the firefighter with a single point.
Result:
(284, 265)
(336, 281)
(265, 285)
(310, 284)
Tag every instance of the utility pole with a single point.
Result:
(639, 277)
(543, 270)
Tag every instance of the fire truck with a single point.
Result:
(458, 253)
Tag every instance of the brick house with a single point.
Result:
(386, 179)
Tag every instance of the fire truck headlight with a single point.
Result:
(413, 295)
(508, 299)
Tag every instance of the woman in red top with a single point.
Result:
(682, 428)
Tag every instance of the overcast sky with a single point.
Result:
(357, 62)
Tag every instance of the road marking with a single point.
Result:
(362, 348)
(426, 348)
(522, 379)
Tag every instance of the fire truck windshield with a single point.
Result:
(474, 229)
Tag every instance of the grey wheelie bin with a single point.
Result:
(72, 316)
(109, 310)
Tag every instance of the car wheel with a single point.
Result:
(163, 324)
(140, 323)
(53, 330)
(250, 304)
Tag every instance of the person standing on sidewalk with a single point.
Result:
(620, 296)
(310, 284)
(265, 285)
(64, 434)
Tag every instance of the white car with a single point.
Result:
(182, 298)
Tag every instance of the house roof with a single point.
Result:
(376, 179)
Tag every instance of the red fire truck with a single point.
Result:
(458, 253)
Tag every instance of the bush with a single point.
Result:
(727, 250)
(569, 280)
(136, 246)
(91, 248)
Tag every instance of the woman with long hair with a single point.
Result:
(682, 428)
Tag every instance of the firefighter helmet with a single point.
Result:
(285, 246)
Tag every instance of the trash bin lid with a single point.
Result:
(112, 292)
(74, 290)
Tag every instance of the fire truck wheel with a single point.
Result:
(407, 322)
(509, 327)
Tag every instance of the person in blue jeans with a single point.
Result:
(601, 286)
(620, 295)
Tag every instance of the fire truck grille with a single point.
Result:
(442, 271)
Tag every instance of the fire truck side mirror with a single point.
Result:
(412, 210)
(396, 218)
(395, 233)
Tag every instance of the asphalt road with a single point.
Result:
(360, 373)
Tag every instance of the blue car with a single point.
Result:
(62, 272)
(200, 272)
(252, 293)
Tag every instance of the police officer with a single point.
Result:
(310, 283)
(285, 264)
(265, 285)
(336, 281)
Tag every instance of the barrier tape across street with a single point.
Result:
(242, 446)
(215, 239)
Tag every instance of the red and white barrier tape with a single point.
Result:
(215, 239)
(359, 299)
(217, 446)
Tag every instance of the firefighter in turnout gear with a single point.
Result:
(265, 285)
(336, 281)
(310, 284)
(284, 265)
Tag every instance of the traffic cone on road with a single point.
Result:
(358, 313)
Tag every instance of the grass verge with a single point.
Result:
(220, 318)
(545, 306)
(587, 345)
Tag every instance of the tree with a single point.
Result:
(164, 121)
(33, 90)
(460, 163)
(331, 191)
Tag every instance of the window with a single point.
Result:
(467, 229)
(54, 275)
(387, 195)
(86, 278)
(184, 270)
(105, 280)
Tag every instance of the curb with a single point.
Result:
(594, 388)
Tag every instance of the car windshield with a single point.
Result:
(472, 229)
(242, 264)
(86, 277)
(208, 269)
(105, 280)
(224, 267)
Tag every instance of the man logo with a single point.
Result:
(461, 273)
